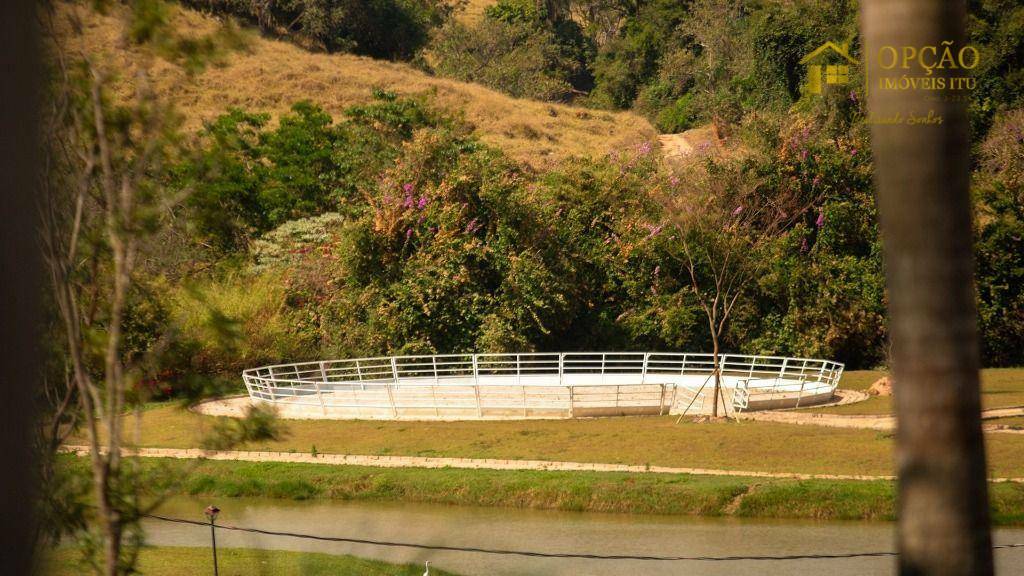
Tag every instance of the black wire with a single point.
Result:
(536, 554)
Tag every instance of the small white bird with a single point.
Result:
(427, 571)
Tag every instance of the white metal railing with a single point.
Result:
(572, 379)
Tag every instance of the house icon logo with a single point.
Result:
(828, 64)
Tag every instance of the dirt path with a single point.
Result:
(467, 463)
(879, 422)
(678, 147)
(470, 463)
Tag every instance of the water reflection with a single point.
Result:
(549, 532)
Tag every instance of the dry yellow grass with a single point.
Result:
(473, 10)
(271, 75)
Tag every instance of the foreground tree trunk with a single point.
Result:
(20, 288)
(922, 175)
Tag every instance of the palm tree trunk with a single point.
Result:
(922, 175)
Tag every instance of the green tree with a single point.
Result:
(248, 179)
(394, 29)
(517, 57)
(999, 244)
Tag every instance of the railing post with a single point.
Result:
(391, 392)
(359, 372)
(721, 381)
(391, 399)
(433, 361)
(561, 369)
(319, 396)
(248, 386)
(741, 397)
(800, 394)
(270, 384)
(643, 372)
(603, 356)
(476, 386)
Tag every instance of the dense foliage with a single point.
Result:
(520, 48)
(514, 57)
(394, 229)
(249, 179)
(683, 64)
(1000, 241)
(438, 243)
(381, 28)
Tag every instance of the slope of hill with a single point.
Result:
(270, 75)
(473, 10)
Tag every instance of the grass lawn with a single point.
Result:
(168, 561)
(1000, 387)
(747, 445)
(567, 491)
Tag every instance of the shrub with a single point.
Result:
(240, 321)
(515, 57)
(460, 250)
(247, 179)
(999, 244)
(294, 239)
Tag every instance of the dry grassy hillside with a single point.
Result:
(473, 10)
(270, 75)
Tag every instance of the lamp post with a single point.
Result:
(211, 513)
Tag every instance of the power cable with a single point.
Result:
(534, 554)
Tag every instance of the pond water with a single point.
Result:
(547, 531)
